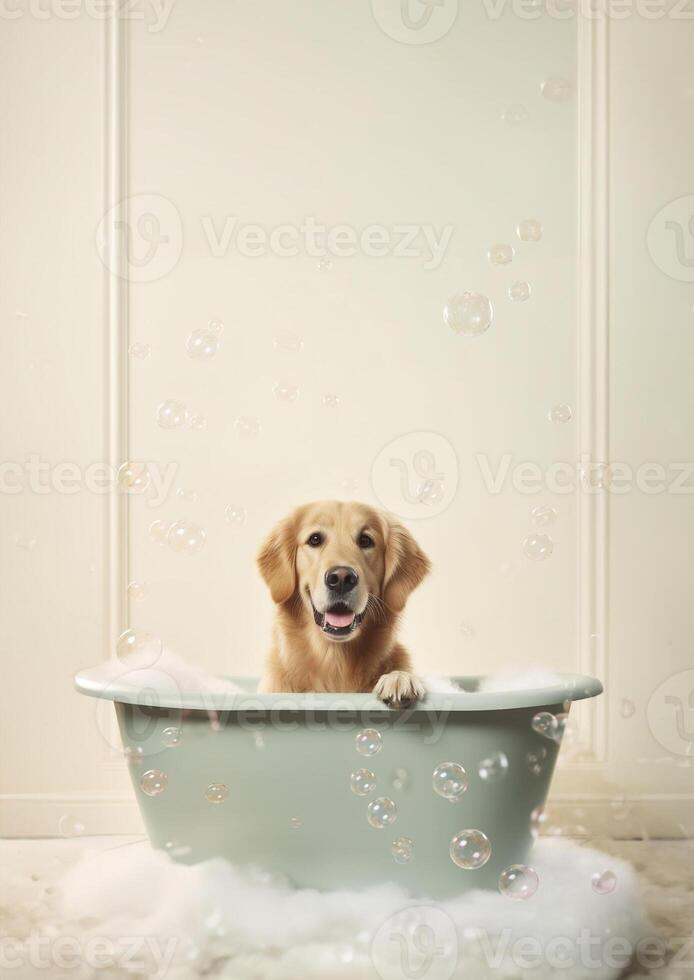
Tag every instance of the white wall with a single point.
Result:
(270, 113)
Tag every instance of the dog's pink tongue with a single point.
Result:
(339, 619)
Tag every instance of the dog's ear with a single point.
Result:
(406, 565)
(277, 561)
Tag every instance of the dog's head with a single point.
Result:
(344, 562)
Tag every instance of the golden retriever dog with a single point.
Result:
(340, 574)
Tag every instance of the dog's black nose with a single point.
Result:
(341, 579)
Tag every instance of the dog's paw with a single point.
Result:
(399, 688)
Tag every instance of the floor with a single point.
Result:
(31, 870)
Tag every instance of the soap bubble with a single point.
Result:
(172, 414)
(216, 327)
(324, 265)
(362, 782)
(186, 538)
(470, 849)
(519, 291)
(469, 314)
(450, 781)
(381, 812)
(138, 649)
(296, 823)
(543, 515)
(430, 492)
(560, 414)
(556, 89)
(289, 343)
(153, 782)
(70, 826)
(197, 422)
(493, 768)
(133, 477)
(137, 591)
(561, 719)
(516, 115)
(216, 793)
(331, 401)
(235, 514)
(368, 742)
(401, 779)
(536, 761)
(247, 425)
(529, 230)
(538, 547)
(26, 543)
(172, 737)
(544, 723)
(190, 496)
(627, 708)
(402, 850)
(604, 882)
(202, 345)
(537, 818)
(467, 630)
(134, 756)
(500, 254)
(158, 531)
(286, 392)
(140, 351)
(518, 882)
(596, 476)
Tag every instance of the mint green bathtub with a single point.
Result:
(266, 780)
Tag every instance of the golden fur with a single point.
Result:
(302, 657)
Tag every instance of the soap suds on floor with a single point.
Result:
(215, 920)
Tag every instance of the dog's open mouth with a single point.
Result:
(338, 620)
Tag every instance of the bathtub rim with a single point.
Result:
(137, 687)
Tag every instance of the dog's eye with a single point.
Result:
(365, 541)
(315, 540)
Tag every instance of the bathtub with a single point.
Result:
(266, 780)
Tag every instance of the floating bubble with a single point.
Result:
(247, 425)
(516, 115)
(24, 542)
(190, 496)
(469, 314)
(216, 327)
(627, 708)
(401, 779)
(289, 343)
(519, 291)
(529, 230)
(518, 882)
(543, 515)
(259, 741)
(235, 514)
(153, 782)
(562, 720)
(197, 422)
(368, 742)
(402, 850)
(535, 761)
(470, 849)
(560, 414)
(545, 723)
(172, 737)
(133, 477)
(556, 89)
(158, 531)
(172, 414)
(331, 401)
(381, 812)
(202, 345)
(493, 768)
(362, 782)
(324, 265)
(450, 781)
(537, 818)
(596, 476)
(138, 649)
(296, 823)
(139, 350)
(500, 254)
(604, 882)
(70, 826)
(137, 591)
(186, 538)
(134, 756)
(538, 547)
(286, 392)
(216, 793)
(430, 492)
